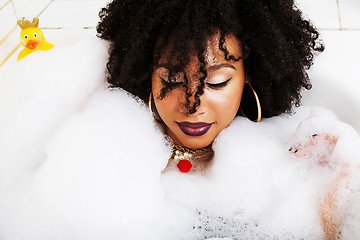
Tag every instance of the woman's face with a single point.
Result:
(218, 104)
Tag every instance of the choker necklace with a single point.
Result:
(185, 157)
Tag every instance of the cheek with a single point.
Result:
(225, 104)
(166, 106)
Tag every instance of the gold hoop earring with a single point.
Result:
(257, 102)
(153, 110)
(150, 102)
(258, 105)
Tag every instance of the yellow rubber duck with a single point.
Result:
(32, 38)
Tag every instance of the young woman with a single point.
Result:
(199, 64)
(195, 63)
(80, 160)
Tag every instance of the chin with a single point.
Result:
(196, 143)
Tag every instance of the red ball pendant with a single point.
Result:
(184, 165)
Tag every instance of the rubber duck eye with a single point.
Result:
(35, 35)
(26, 36)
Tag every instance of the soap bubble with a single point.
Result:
(80, 161)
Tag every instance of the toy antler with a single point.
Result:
(26, 23)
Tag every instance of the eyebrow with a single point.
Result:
(167, 66)
(219, 66)
(163, 65)
(211, 68)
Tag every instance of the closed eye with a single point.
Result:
(218, 85)
(170, 83)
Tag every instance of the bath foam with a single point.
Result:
(255, 181)
(37, 94)
(96, 182)
(86, 163)
(92, 185)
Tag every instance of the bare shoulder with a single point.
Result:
(326, 143)
(323, 139)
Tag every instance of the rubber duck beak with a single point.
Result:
(32, 44)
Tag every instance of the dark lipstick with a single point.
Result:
(194, 129)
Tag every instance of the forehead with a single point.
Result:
(214, 53)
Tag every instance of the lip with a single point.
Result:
(194, 129)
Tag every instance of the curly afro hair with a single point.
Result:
(278, 45)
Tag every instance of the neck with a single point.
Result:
(186, 159)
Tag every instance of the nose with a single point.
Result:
(191, 104)
(190, 100)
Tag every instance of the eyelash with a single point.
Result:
(218, 85)
(168, 83)
(211, 85)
